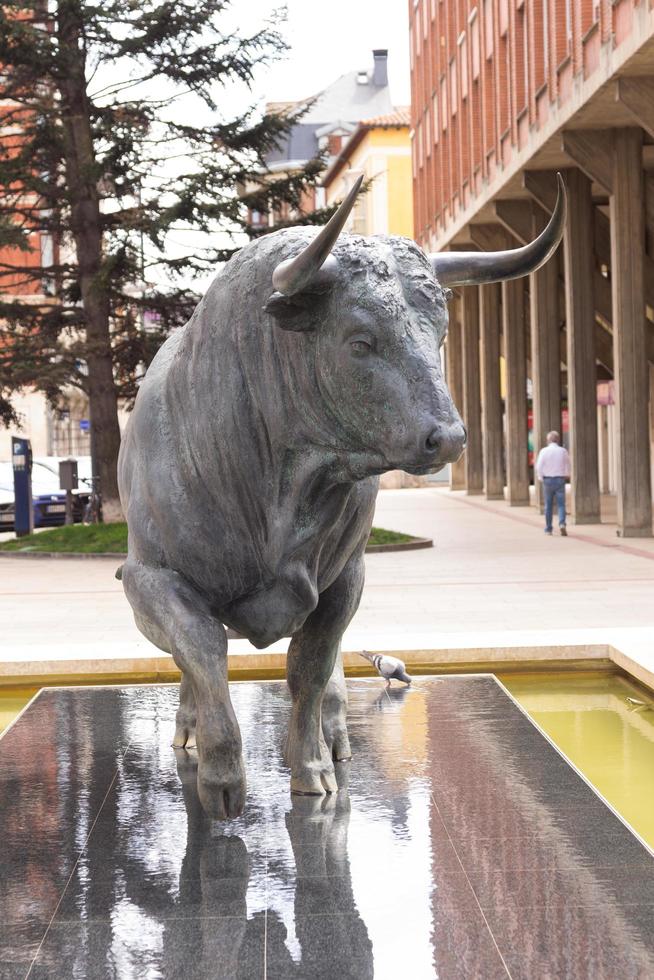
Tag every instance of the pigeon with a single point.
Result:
(387, 667)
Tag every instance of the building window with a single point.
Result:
(463, 60)
(435, 112)
(444, 112)
(453, 92)
(334, 143)
(546, 40)
(475, 44)
(488, 27)
(504, 17)
(427, 129)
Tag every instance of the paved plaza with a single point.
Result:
(493, 580)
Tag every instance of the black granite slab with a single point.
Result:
(460, 845)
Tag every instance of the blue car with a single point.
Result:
(48, 499)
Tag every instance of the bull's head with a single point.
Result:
(377, 313)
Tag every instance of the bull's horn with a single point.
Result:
(476, 268)
(293, 275)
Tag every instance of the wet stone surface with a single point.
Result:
(459, 845)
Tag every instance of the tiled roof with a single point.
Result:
(397, 119)
(400, 116)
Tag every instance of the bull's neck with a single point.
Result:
(237, 413)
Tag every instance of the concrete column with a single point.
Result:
(513, 324)
(473, 456)
(454, 365)
(629, 351)
(603, 447)
(580, 340)
(491, 398)
(545, 348)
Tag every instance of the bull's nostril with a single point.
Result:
(432, 442)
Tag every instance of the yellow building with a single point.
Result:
(380, 149)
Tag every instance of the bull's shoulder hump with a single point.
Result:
(162, 360)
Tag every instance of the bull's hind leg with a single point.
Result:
(187, 716)
(313, 674)
(177, 618)
(334, 713)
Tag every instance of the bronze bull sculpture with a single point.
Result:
(249, 469)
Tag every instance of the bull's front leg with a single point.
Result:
(177, 618)
(314, 673)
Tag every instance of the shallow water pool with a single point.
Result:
(608, 738)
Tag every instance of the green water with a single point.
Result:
(586, 715)
(608, 739)
(12, 701)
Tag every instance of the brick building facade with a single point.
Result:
(504, 94)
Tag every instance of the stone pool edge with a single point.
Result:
(262, 664)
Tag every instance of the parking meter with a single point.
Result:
(68, 482)
(21, 459)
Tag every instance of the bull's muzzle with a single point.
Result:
(446, 442)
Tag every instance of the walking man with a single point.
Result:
(553, 468)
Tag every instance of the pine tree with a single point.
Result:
(116, 134)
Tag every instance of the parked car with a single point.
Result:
(48, 499)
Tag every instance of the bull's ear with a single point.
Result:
(297, 312)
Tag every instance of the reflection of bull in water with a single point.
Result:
(214, 934)
(214, 881)
(311, 366)
(335, 941)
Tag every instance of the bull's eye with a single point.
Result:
(360, 346)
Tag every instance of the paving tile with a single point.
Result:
(14, 970)
(443, 945)
(174, 949)
(517, 888)
(567, 941)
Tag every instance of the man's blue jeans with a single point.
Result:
(554, 486)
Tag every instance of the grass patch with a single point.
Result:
(379, 535)
(92, 538)
(112, 538)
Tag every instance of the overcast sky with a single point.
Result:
(331, 38)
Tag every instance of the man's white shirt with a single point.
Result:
(553, 460)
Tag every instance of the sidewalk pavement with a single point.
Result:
(494, 587)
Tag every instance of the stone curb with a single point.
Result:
(412, 545)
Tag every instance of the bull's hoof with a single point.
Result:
(334, 729)
(185, 723)
(222, 798)
(338, 744)
(184, 738)
(314, 780)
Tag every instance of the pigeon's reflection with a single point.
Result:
(396, 696)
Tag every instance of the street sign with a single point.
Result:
(84, 425)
